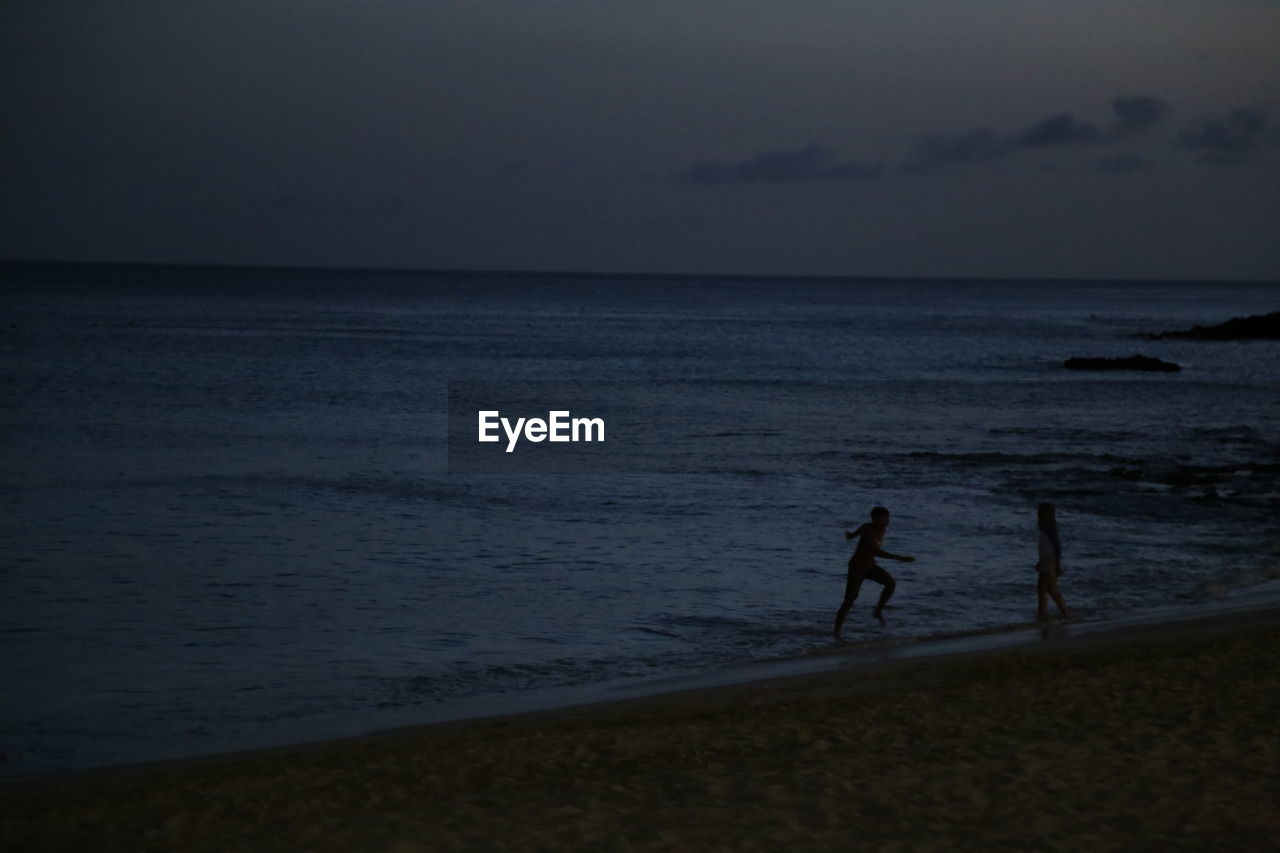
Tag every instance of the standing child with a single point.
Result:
(1049, 567)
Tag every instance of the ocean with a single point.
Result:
(234, 518)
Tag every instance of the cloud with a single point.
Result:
(1057, 130)
(1121, 164)
(1134, 114)
(811, 163)
(1218, 141)
(1137, 114)
(340, 206)
(1229, 140)
(979, 145)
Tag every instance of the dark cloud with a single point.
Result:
(1134, 114)
(854, 171)
(1219, 141)
(980, 145)
(1121, 164)
(1063, 129)
(339, 207)
(1229, 140)
(1137, 114)
(811, 163)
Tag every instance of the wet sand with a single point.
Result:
(1150, 737)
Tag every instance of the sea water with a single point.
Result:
(231, 519)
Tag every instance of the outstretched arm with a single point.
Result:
(880, 552)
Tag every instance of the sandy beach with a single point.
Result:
(1152, 737)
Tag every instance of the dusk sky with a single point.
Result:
(1093, 139)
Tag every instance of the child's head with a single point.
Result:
(879, 515)
(1045, 515)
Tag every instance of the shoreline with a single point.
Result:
(835, 657)
(1100, 733)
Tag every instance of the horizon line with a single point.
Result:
(532, 273)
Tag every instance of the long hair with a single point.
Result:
(1045, 516)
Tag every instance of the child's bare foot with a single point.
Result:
(879, 614)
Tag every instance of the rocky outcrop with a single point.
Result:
(1261, 327)
(1133, 362)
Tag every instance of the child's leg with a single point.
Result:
(851, 587)
(882, 577)
(1057, 599)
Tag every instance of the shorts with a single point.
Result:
(854, 583)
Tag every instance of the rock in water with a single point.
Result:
(1133, 362)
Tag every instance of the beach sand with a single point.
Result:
(1151, 737)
